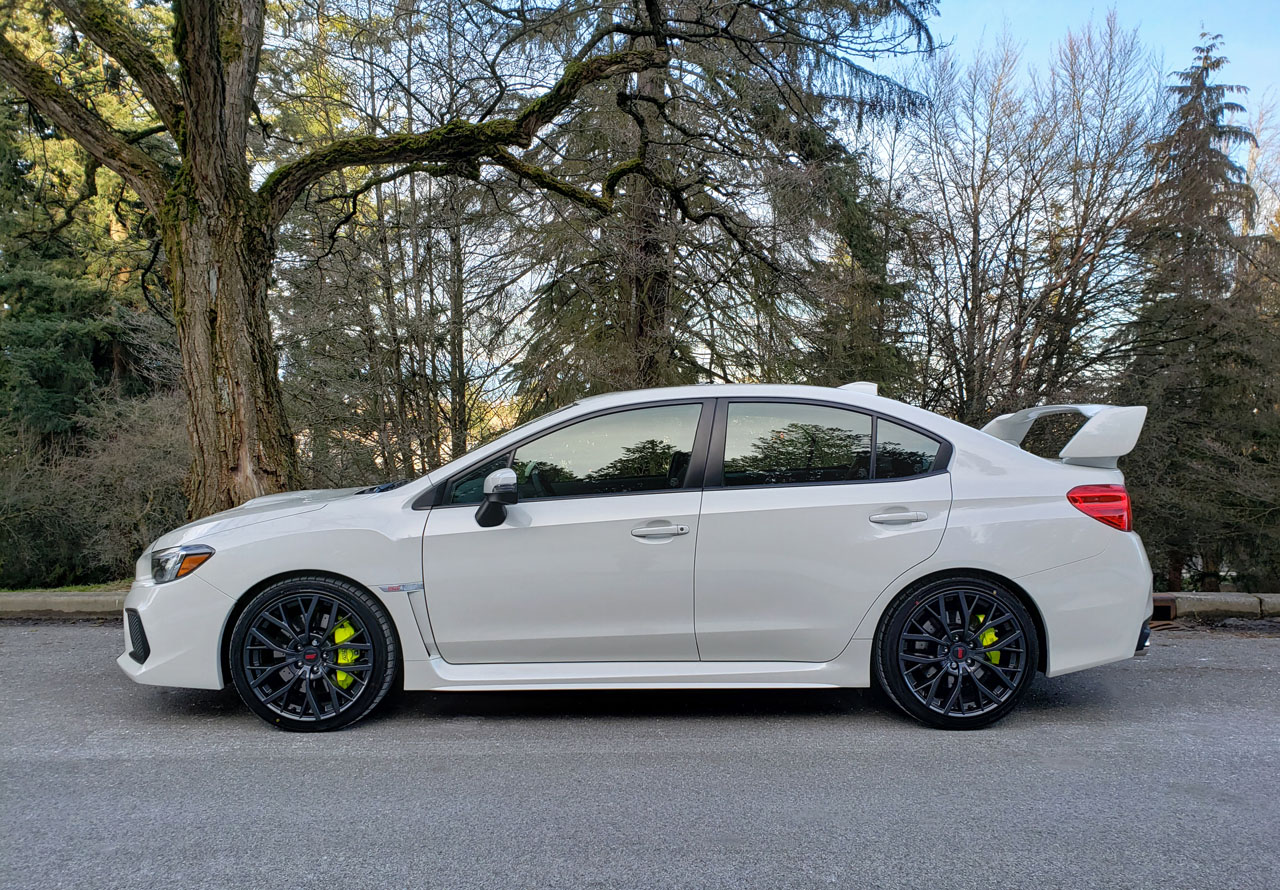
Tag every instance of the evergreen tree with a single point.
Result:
(1200, 346)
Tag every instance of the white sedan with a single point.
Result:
(693, 537)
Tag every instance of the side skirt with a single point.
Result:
(851, 669)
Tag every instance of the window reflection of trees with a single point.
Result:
(652, 457)
(901, 452)
(894, 461)
(645, 466)
(802, 452)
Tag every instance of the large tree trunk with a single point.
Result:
(651, 272)
(219, 267)
(459, 422)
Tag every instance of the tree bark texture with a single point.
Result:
(219, 266)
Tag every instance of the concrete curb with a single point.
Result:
(62, 604)
(1226, 605)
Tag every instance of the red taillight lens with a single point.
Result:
(1105, 503)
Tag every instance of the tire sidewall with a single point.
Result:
(360, 602)
(895, 686)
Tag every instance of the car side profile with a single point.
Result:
(691, 537)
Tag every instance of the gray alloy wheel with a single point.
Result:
(312, 654)
(957, 653)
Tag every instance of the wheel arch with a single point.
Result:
(942, 574)
(242, 603)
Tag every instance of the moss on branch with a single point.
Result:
(461, 146)
(551, 183)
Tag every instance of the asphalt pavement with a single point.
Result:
(1160, 772)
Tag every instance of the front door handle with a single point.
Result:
(660, 531)
(890, 518)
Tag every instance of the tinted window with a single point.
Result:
(777, 444)
(901, 452)
(647, 449)
(469, 489)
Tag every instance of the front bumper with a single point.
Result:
(182, 624)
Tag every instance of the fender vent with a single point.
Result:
(137, 637)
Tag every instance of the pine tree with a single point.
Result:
(1199, 351)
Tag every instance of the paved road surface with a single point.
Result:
(1161, 772)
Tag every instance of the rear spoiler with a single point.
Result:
(1109, 433)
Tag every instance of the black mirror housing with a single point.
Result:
(499, 491)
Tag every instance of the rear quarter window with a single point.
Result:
(902, 452)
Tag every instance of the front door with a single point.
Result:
(820, 509)
(595, 562)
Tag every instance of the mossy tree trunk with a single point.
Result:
(219, 264)
(219, 232)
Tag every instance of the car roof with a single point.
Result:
(858, 398)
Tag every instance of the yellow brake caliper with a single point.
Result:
(341, 633)
(988, 637)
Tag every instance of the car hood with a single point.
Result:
(263, 509)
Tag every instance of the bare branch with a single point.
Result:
(142, 173)
(461, 144)
(113, 35)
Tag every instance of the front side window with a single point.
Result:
(901, 452)
(769, 443)
(469, 488)
(644, 449)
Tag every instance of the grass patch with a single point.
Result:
(104, 587)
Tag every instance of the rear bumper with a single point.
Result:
(1094, 610)
(179, 626)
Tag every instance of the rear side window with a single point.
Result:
(771, 443)
(645, 449)
(901, 452)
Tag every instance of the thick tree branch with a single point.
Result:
(545, 181)
(461, 144)
(142, 173)
(113, 35)
(577, 75)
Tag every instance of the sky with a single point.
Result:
(1250, 30)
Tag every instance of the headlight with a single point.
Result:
(178, 562)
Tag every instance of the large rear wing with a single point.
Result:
(1109, 432)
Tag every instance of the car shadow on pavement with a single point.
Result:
(165, 702)
(637, 703)
(1076, 697)
(1085, 696)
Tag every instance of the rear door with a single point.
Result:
(810, 511)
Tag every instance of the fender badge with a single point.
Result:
(400, 588)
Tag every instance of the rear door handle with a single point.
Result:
(890, 518)
(660, 531)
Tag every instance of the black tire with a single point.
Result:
(312, 654)
(957, 653)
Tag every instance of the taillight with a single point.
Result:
(1105, 503)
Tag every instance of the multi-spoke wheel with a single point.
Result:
(312, 654)
(957, 653)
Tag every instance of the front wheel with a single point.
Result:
(313, 654)
(957, 653)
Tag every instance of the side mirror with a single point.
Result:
(499, 491)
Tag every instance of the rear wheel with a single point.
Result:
(313, 654)
(957, 653)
